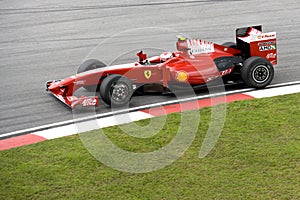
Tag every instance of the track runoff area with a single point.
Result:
(66, 128)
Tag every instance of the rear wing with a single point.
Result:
(253, 42)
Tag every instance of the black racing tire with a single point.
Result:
(87, 66)
(230, 45)
(257, 72)
(116, 90)
(90, 65)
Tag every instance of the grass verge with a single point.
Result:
(256, 157)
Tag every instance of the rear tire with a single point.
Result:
(257, 72)
(87, 66)
(116, 90)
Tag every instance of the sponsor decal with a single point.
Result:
(267, 48)
(227, 71)
(271, 55)
(72, 98)
(267, 43)
(200, 46)
(147, 74)
(89, 102)
(182, 76)
(211, 78)
(80, 82)
(266, 36)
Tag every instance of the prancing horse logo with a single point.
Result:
(147, 74)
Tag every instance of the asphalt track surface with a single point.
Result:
(42, 40)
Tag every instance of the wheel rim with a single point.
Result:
(260, 73)
(119, 92)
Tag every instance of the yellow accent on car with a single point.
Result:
(182, 76)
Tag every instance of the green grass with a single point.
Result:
(256, 157)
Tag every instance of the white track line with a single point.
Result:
(291, 89)
(80, 127)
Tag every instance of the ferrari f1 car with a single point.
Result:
(195, 63)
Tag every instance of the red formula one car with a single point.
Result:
(195, 63)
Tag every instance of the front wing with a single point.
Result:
(72, 101)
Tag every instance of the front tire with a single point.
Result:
(257, 72)
(87, 66)
(116, 90)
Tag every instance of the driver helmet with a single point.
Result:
(165, 56)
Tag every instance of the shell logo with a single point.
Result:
(182, 76)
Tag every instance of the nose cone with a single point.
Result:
(58, 84)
